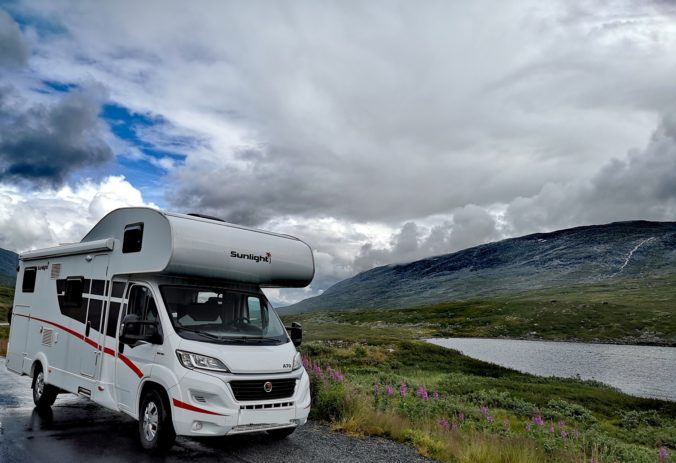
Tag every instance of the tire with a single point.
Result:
(281, 433)
(156, 431)
(44, 394)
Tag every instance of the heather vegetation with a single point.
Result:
(456, 409)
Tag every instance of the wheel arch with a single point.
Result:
(151, 385)
(41, 360)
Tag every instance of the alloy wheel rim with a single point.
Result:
(150, 419)
(39, 385)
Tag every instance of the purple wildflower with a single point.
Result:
(662, 454)
(389, 390)
(537, 419)
(484, 410)
(376, 388)
(551, 426)
(454, 425)
(461, 417)
(489, 418)
(435, 395)
(403, 389)
(422, 393)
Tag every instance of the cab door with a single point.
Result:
(133, 362)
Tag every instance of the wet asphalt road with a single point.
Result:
(78, 430)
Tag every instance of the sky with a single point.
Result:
(378, 132)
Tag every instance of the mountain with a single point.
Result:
(8, 262)
(599, 254)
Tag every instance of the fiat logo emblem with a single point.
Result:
(267, 387)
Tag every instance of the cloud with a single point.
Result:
(14, 48)
(375, 111)
(468, 226)
(639, 186)
(44, 218)
(45, 144)
(387, 131)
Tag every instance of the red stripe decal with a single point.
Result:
(131, 365)
(192, 408)
(106, 350)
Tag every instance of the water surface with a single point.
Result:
(643, 371)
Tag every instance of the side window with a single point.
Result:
(73, 292)
(29, 274)
(133, 238)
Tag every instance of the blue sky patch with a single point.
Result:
(144, 172)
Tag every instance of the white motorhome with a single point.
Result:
(161, 316)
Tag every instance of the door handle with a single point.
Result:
(89, 326)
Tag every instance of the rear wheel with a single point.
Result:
(281, 433)
(44, 394)
(156, 431)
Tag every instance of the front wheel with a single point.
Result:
(281, 433)
(156, 431)
(44, 394)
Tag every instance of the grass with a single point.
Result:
(588, 420)
(636, 312)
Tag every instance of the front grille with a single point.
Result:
(254, 390)
(266, 406)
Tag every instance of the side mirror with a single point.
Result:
(296, 333)
(135, 331)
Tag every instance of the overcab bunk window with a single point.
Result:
(133, 238)
(28, 285)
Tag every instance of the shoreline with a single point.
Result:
(614, 342)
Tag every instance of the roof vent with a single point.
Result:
(204, 216)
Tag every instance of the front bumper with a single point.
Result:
(204, 405)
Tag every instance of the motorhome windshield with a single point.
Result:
(222, 316)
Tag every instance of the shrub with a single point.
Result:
(634, 418)
(493, 398)
(557, 409)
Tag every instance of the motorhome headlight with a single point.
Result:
(200, 362)
(297, 361)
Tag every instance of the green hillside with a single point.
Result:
(637, 311)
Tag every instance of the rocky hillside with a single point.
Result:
(8, 262)
(607, 254)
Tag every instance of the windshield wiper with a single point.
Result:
(206, 335)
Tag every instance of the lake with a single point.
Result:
(643, 371)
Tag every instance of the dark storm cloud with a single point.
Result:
(471, 225)
(14, 49)
(45, 144)
(640, 185)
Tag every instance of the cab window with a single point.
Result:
(142, 304)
